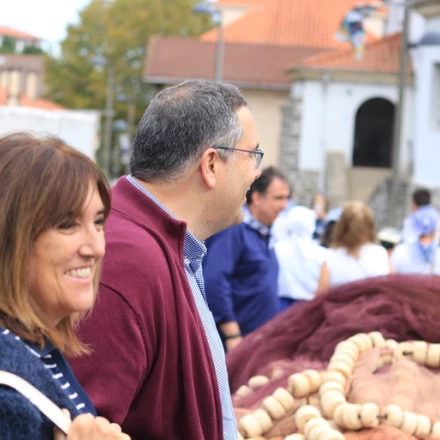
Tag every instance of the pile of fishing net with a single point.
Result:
(360, 361)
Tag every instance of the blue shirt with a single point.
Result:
(241, 272)
(194, 251)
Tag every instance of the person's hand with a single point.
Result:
(232, 343)
(87, 427)
(231, 333)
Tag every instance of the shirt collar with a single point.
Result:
(193, 249)
(47, 349)
(250, 220)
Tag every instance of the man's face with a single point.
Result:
(241, 171)
(266, 207)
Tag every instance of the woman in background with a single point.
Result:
(353, 254)
(54, 203)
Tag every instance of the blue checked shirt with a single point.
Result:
(194, 251)
(264, 230)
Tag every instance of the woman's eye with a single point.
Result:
(100, 222)
(67, 225)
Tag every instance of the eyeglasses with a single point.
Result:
(257, 154)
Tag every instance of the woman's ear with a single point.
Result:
(209, 167)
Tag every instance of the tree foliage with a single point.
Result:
(32, 50)
(8, 45)
(117, 32)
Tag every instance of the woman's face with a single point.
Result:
(64, 262)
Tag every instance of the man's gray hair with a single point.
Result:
(180, 123)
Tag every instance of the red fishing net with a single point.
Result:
(304, 337)
(400, 307)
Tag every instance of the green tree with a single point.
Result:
(32, 50)
(71, 78)
(8, 45)
(116, 31)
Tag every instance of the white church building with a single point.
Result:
(337, 134)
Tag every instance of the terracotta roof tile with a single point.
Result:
(43, 104)
(173, 59)
(380, 57)
(26, 102)
(8, 32)
(310, 23)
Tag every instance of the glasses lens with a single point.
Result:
(258, 159)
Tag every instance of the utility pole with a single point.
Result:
(108, 111)
(107, 144)
(206, 8)
(393, 202)
(220, 49)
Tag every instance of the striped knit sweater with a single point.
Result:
(19, 419)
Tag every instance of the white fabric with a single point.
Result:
(344, 268)
(301, 222)
(300, 263)
(299, 257)
(280, 229)
(404, 260)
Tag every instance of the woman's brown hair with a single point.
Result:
(354, 228)
(43, 183)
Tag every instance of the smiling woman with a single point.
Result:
(54, 202)
(65, 260)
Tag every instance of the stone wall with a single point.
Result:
(379, 203)
(336, 179)
(304, 183)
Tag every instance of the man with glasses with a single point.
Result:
(257, 153)
(157, 366)
(241, 268)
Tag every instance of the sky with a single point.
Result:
(46, 19)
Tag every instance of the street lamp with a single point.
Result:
(206, 8)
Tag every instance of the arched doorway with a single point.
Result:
(373, 134)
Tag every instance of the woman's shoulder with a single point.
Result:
(13, 351)
(19, 419)
(373, 249)
(337, 253)
(18, 358)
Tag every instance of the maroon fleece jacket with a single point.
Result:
(151, 368)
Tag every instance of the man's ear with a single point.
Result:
(255, 197)
(209, 167)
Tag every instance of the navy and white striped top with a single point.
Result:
(194, 251)
(54, 361)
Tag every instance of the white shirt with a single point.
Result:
(404, 259)
(344, 268)
(280, 229)
(299, 263)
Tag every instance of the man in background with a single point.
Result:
(421, 200)
(241, 267)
